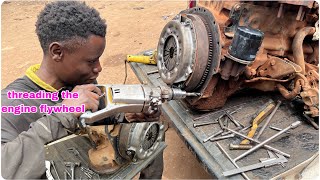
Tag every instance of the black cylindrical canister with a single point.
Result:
(246, 43)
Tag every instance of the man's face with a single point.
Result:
(82, 65)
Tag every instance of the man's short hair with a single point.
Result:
(65, 21)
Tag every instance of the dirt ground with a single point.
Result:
(132, 27)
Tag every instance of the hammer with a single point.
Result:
(72, 165)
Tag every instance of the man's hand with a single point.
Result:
(88, 95)
(143, 117)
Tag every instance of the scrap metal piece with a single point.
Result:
(257, 120)
(268, 119)
(240, 146)
(292, 126)
(54, 168)
(48, 172)
(213, 135)
(278, 129)
(256, 141)
(266, 163)
(234, 163)
(222, 137)
(211, 122)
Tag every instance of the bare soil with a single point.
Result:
(133, 27)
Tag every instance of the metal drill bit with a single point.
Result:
(193, 94)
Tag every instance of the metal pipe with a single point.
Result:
(293, 125)
(268, 120)
(256, 141)
(234, 163)
(290, 95)
(297, 46)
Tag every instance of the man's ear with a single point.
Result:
(56, 51)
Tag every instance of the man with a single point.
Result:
(72, 37)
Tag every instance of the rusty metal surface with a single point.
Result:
(59, 154)
(302, 140)
(286, 28)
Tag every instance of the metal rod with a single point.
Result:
(278, 129)
(233, 120)
(240, 146)
(204, 123)
(54, 168)
(221, 137)
(256, 141)
(293, 125)
(234, 163)
(65, 175)
(224, 111)
(213, 135)
(269, 119)
(311, 121)
(152, 72)
(228, 132)
(210, 122)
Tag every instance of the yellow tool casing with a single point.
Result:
(142, 58)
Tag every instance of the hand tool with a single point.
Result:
(256, 141)
(257, 120)
(234, 163)
(48, 172)
(54, 168)
(278, 129)
(292, 126)
(133, 99)
(268, 119)
(211, 122)
(264, 163)
(72, 165)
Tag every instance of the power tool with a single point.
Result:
(121, 143)
(133, 99)
(148, 57)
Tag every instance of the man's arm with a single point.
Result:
(24, 156)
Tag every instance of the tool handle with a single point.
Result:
(141, 59)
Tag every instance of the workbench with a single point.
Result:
(302, 143)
